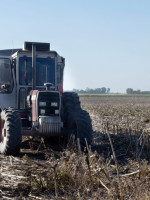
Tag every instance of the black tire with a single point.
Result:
(80, 125)
(76, 120)
(70, 101)
(10, 132)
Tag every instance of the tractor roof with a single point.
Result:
(8, 52)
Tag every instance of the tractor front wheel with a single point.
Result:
(10, 132)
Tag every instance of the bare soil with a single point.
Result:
(116, 166)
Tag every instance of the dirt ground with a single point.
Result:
(115, 167)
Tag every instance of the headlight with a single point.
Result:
(54, 104)
(42, 111)
(42, 103)
(56, 112)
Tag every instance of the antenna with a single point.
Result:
(12, 46)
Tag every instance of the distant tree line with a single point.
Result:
(102, 90)
(131, 91)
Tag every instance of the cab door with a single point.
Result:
(7, 84)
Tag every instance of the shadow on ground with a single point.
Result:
(125, 147)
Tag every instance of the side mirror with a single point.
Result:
(5, 86)
(14, 63)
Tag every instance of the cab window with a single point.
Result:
(45, 71)
(6, 78)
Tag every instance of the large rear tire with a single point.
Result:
(10, 132)
(76, 119)
(81, 125)
(71, 101)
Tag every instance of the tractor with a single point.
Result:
(32, 100)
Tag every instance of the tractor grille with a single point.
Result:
(48, 103)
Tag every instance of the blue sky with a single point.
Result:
(105, 43)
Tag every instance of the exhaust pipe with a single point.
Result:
(35, 46)
(33, 66)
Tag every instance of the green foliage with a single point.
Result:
(63, 178)
(36, 183)
(131, 91)
(102, 90)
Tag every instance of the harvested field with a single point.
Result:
(115, 167)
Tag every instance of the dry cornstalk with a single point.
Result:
(114, 155)
(132, 173)
(103, 185)
(144, 142)
(54, 168)
(79, 146)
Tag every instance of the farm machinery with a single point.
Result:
(32, 101)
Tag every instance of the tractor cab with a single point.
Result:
(32, 67)
(35, 67)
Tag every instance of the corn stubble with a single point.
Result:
(116, 166)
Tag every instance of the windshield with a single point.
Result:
(6, 79)
(45, 71)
